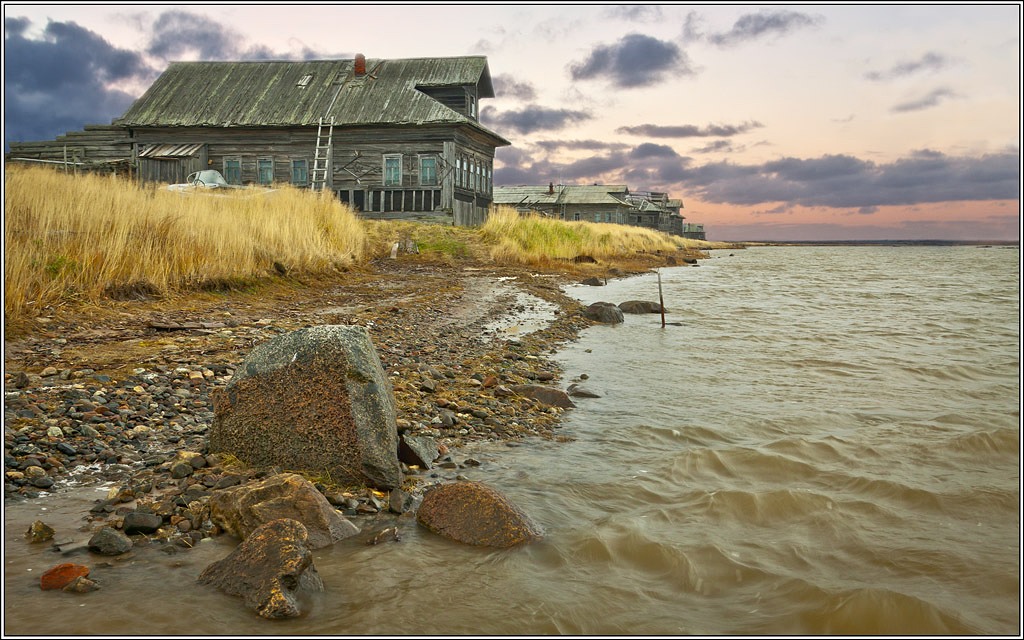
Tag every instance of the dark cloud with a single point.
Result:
(847, 182)
(532, 118)
(506, 86)
(715, 147)
(688, 130)
(576, 145)
(930, 61)
(181, 35)
(753, 26)
(651, 150)
(647, 166)
(63, 80)
(634, 61)
(926, 102)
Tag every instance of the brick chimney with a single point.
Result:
(551, 188)
(360, 65)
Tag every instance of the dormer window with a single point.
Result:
(472, 106)
(304, 81)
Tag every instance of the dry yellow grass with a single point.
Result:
(532, 239)
(87, 237)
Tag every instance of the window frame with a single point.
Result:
(260, 166)
(235, 172)
(387, 182)
(304, 170)
(432, 171)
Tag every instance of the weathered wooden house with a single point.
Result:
(389, 137)
(591, 203)
(601, 203)
(393, 138)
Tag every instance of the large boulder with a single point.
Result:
(316, 400)
(268, 569)
(640, 306)
(474, 513)
(241, 510)
(604, 312)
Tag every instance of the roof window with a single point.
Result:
(304, 81)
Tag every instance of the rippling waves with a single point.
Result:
(828, 444)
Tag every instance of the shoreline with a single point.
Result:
(127, 385)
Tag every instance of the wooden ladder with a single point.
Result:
(322, 157)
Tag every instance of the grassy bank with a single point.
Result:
(83, 239)
(88, 237)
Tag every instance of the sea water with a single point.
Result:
(820, 440)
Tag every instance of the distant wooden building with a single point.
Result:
(601, 203)
(392, 138)
(591, 203)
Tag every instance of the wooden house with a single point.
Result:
(392, 138)
(592, 203)
(389, 137)
(601, 203)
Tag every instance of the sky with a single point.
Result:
(770, 122)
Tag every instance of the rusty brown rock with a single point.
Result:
(474, 513)
(268, 569)
(241, 510)
(315, 399)
(59, 576)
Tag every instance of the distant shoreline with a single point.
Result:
(878, 243)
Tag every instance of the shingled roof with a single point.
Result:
(560, 194)
(299, 93)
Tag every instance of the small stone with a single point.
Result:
(48, 371)
(110, 542)
(81, 584)
(39, 531)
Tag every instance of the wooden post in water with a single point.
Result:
(661, 300)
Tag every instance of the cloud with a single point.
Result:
(930, 61)
(651, 150)
(532, 118)
(66, 78)
(635, 13)
(846, 182)
(716, 147)
(179, 35)
(634, 61)
(579, 145)
(688, 130)
(925, 102)
(753, 26)
(506, 85)
(646, 166)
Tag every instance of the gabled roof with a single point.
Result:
(289, 93)
(563, 194)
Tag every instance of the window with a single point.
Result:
(393, 170)
(233, 170)
(472, 176)
(265, 170)
(576, 216)
(304, 81)
(465, 173)
(428, 170)
(472, 107)
(300, 173)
